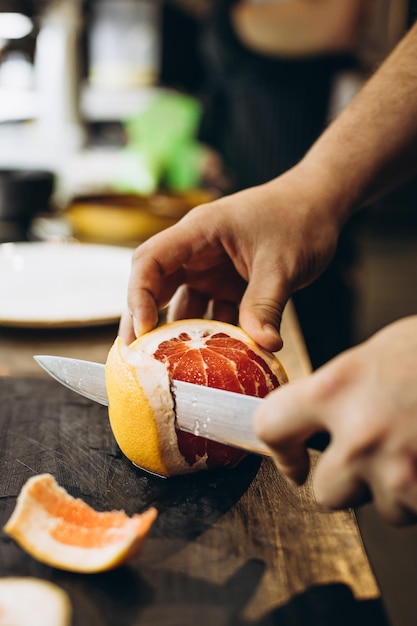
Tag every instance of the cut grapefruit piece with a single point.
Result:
(141, 406)
(66, 533)
(33, 602)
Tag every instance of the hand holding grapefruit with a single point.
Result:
(141, 406)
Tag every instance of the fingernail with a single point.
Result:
(137, 327)
(294, 480)
(272, 332)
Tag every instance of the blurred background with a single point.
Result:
(119, 116)
(103, 130)
(90, 124)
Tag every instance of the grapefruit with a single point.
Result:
(64, 532)
(141, 406)
(33, 602)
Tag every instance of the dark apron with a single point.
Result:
(261, 113)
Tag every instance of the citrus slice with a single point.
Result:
(33, 602)
(141, 407)
(66, 533)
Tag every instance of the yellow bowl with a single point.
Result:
(128, 218)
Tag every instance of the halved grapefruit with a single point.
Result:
(33, 602)
(66, 533)
(141, 407)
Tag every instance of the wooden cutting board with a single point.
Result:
(234, 547)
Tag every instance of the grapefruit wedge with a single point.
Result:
(33, 602)
(66, 533)
(141, 407)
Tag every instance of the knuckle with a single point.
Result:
(399, 476)
(268, 309)
(394, 513)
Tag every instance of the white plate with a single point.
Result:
(62, 284)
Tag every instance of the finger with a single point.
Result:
(225, 311)
(263, 304)
(155, 275)
(190, 303)
(285, 421)
(405, 511)
(218, 280)
(395, 512)
(408, 501)
(294, 463)
(337, 484)
(395, 489)
(187, 303)
(126, 330)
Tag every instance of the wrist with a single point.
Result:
(318, 193)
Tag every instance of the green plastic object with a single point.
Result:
(162, 150)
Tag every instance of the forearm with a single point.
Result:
(372, 146)
(300, 27)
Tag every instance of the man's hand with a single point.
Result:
(241, 257)
(366, 399)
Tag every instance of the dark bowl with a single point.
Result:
(24, 193)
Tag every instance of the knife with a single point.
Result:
(223, 416)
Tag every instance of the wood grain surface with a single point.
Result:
(230, 547)
(235, 547)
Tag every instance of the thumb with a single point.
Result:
(262, 306)
(285, 421)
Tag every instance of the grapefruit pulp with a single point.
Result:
(66, 533)
(141, 407)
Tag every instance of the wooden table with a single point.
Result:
(235, 547)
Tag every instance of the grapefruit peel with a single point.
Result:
(141, 405)
(145, 427)
(26, 601)
(66, 533)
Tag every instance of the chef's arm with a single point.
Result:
(371, 147)
(278, 237)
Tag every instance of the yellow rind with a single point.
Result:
(141, 407)
(133, 423)
(141, 411)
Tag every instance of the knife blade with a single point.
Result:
(223, 416)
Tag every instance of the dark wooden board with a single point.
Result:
(233, 547)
